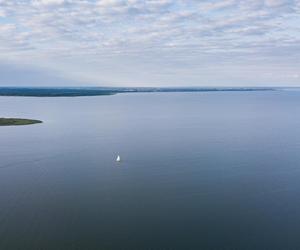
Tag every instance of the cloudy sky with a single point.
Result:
(150, 43)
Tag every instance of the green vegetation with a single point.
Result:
(17, 121)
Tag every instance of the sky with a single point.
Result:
(149, 43)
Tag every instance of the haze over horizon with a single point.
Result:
(149, 43)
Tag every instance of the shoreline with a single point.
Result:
(17, 121)
(105, 91)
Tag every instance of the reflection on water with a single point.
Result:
(198, 171)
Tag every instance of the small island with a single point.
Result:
(17, 121)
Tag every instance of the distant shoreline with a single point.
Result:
(17, 121)
(104, 91)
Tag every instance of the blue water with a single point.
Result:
(203, 170)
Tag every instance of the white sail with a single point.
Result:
(118, 158)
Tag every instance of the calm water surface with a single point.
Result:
(199, 171)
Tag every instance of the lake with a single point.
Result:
(200, 170)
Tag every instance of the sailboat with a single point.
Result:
(118, 159)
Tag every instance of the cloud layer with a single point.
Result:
(154, 42)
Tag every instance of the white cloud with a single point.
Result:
(150, 34)
(276, 3)
(2, 13)
(218, 5)
(47, 2)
